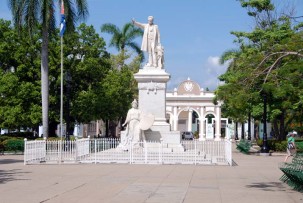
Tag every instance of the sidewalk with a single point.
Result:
(252, 179)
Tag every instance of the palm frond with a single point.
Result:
(137, 49)
(82, 8)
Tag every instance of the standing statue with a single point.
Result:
(151, 39)
(132, 132)
(136, 122)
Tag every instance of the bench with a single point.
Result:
(293, 172)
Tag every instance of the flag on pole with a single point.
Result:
(62, 24)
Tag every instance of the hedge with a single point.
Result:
(280, 146)
(13, 145)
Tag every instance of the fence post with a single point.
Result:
(25, 150)
(95, 140)
(130, 152)
(60, 151)
(44, 149)
(230, 153)
(195, 152)
(145, 150)
(161, 151)
(76, 149)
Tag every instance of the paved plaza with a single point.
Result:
(252, 179)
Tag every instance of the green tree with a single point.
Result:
(19, 79)
(87, 63)
(118, 89)
(268, 61)
(28, 15)
(122, 39)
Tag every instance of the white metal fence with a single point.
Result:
(106, 150)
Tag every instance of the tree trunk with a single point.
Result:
(256, 130)
(282, 135)
(249, 127)
(242, 131)
(44, 81)
(276, 129)
(236, 134)
(52, 129)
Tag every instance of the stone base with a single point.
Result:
(171, 140)
(160, 126)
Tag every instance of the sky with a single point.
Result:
(194, 33)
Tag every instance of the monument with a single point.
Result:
(136, 122)
(152, 80)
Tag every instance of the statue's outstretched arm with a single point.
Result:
(140, 25)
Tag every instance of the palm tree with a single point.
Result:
(29, 14)
(123, 38)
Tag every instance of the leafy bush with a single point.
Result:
(259, 142)
(299, 146)
(280, 146)
(14, 145)
(28, 135)
(4, 137)
(244, 146)
(196, 135)
(1, 147)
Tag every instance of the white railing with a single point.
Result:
(106, 150)
(34, 151)
(228, 152)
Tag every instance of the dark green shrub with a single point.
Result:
(14, 145)
(196, 135)
(259, 142)
(1, 147)
(4, 137)
(281, 146)
(299, 146)
(244, 146)
(28, 135)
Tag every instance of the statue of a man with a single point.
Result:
(151, 39)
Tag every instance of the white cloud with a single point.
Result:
(213, 66)
(212, 70)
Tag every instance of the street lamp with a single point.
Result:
(264, 148)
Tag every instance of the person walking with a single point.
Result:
(291, 146)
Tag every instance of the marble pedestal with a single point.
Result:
(152, 99)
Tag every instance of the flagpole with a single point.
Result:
(61, 97)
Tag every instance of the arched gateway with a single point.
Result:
(191, 108)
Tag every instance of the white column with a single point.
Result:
(171, 120)
(202, 124)
(218, 123)
(190, 120)
(175, 127)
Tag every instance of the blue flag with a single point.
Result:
(63, 23)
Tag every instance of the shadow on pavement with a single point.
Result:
(11, 175)
(270, 186)
(10, 161)
(234, 163)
